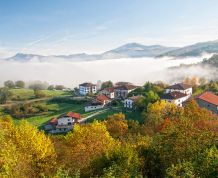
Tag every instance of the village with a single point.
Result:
(104, 98)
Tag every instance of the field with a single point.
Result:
(130, 115)
(54, 111)
(26, 94)
(55, 108)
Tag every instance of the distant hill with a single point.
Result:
(193, 50)
(130, 50)
(133, 50)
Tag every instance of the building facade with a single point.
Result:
(86, 88)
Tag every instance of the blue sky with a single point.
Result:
(92, 26)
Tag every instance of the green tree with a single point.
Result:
(107, 84)
(5, 94)
(20, 84)
(122, 162)
(9, 84)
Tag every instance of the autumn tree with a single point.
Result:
(117, 125)
(26, 149)
(85, 144)
(122, 162)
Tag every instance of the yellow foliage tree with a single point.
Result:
(25, 148)
(117, 125)
(85, 144)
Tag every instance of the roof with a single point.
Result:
(123, 83)
(102, 98)
(72, 115)
(53, 121)
(173, 95)
(179, 86)
(87, 84)
(209, 97)
(125, 87)
(110, 90)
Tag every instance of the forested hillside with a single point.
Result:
(172, 142)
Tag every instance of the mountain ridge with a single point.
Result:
(129, 50)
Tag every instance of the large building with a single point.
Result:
(130, 102)
(175, 97)
(86, 88)
(123, 90)
(209, 101)
(109, 92)
(177, 93)
(180, 87)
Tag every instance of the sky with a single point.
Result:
(49, 27)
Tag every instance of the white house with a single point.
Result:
(175, 97)
(86, 88)
(99, 103)
(180, 87)
(109, 92)
(129, 102)
(65, 122)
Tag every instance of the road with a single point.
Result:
(92, 115)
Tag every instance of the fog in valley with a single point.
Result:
(70, 74)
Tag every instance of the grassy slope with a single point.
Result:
(129, 116)
(55, 110)
(25, 94)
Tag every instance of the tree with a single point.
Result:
(60, 87)
(5, 94)
(122, 162)
(159, 111)
(25, 151)
(39, 94)
(51, 87)
(38, 85)
(117, 125)
(107, 84)
(83, 145)
(9, 84)
(20, 84)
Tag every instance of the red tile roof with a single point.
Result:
(74, 115)
(209, 97)
(110, 90)
(102, 98)
(53, 121)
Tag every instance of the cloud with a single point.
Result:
(138, 70)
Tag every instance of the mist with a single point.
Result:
(70, 74)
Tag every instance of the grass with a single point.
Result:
(130, 115)
(26, 94)
(54, 111)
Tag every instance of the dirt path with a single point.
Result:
(92, 115)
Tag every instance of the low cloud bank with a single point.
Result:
(70, 74)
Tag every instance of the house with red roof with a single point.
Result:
(63, 123)
(208, 100)
(98, 103)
